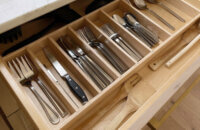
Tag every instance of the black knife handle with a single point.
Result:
(77, 90)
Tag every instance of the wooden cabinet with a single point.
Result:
(155, 88)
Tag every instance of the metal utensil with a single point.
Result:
(121, 21)
(25, 75)
(167, 9)
(87, 35)
(54, 78)
(77, 90)
(93, 70)
(107, 29)
(142, 5)
(149, 36)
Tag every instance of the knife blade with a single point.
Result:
(76, 89)
(54, 78)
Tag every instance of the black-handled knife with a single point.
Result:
(77, 90)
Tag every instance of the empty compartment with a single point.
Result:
(195, 3)
(121, 8)
(41, 83)
(179, 7)
(108, 43)
(100, 18)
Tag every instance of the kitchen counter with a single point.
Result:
(17, 12)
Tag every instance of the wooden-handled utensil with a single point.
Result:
(121, 94)
(174, 48)
(136, 97)
(183, 51)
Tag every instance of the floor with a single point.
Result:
(187, 114)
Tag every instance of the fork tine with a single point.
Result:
(14, 71)
(26, 63)
(21, 66)
(18, 70)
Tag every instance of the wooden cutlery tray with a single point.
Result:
(155, 88)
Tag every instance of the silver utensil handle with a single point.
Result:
(138, 36)
(91, 74)
(50, 113)
(132, 52)
(60, 108)
(113, 59)
(161, 19)
(172, 12)
(98, 71)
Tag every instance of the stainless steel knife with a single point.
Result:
(77, 90)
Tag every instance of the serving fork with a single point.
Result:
(108, 29)
(87, 35)
(23, 70)
(96, 73)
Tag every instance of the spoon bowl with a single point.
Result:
(140, 4)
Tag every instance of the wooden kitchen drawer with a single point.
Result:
(155, 88)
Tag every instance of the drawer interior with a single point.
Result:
(150, 83)
(180, 7)
(101, 101)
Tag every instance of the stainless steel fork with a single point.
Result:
(87, 35)
(23, 71)
(94, 71)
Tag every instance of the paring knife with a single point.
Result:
(63, 73)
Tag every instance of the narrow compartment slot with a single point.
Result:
(122, 7)
(44, 79)
(182, 7)
(193, 3)
(177, 6)
(101, 18)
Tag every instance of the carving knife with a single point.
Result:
(76, 89)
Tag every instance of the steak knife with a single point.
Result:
(76, 89)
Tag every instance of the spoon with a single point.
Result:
(142, 31)
(142, 5)
(122, 22)
(167, 9)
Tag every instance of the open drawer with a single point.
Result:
(154, 89)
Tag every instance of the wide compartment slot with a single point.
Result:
(79, 78)
(123, 57)
(100, 18)
(179, 7)
(69, 33)
(122, 7)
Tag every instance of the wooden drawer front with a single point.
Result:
(155, 88)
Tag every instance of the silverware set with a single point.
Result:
(130, 22)
(140, 4)
(26, 73)
(108, 29)
(87, 35)
(92, 69)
